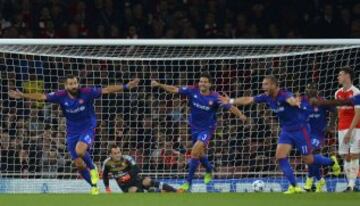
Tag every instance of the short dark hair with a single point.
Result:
(349, 71)
(273, 79)
(311, 85)
(206, 75)
(71, 76)
(113, 146)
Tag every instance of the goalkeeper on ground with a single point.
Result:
(124, 170)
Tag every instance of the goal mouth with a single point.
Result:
(151, 125)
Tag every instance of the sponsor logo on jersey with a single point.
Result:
(76, 110)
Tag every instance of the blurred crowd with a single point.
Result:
(179, 19)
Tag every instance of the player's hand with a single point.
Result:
(297, 101)
(15, 94)
(108, 190)
(126, 178)
(134, 83)
(224, 98)
(155, 83)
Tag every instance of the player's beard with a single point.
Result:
(204, 90)
(73, 92)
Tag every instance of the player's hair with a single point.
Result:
(206, 75)
(113, 146)
(71, 76)
(273, 79)
(349, 71)
(311, 85)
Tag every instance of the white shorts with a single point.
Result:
(353, 146)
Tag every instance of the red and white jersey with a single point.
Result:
(346, 113)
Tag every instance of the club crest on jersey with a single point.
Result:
(66, 104)
(81, 101)
(316, 109)
(211, 103)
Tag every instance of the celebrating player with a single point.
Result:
(294, 128)
(124, 170)
(77, 106)
(348, 125)
(318, 125)
(204, 104)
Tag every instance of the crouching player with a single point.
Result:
(126, 173)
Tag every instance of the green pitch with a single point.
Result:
(196, 199)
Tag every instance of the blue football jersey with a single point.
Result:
(79, 112)
(317, 116)
(203, 107)
(290, 117)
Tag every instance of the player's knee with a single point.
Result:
(146, 182)
(308, 159)
(347, 157)
(195, 154)
(133, 189)
(354, 156)
(280, 155)
(80, 152)
(79, 164)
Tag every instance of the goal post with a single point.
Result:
(148, 123)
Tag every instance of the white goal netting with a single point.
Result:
(147, 123)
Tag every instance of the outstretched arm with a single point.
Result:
(31, 96)
(234, 110)
(105, 177)
(168, 88)
(331, 102)
(118, 88)
(236, 101)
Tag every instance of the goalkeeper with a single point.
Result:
(124, 170)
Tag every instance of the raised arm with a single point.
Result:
(118, 88)
(168, 88)
(31, 96)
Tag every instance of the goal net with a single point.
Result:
(150, 124)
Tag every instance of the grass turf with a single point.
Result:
(189, 199)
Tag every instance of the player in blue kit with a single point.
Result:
(204, 104)
(77, 106)
(294, 128)
(318, 124)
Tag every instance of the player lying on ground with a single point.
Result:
(124, 170)
(351, 137)
(294, 128)
(77, 106)
(204, 104)
(317, 118)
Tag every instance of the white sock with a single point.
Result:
(347, 169)
(354, 168)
